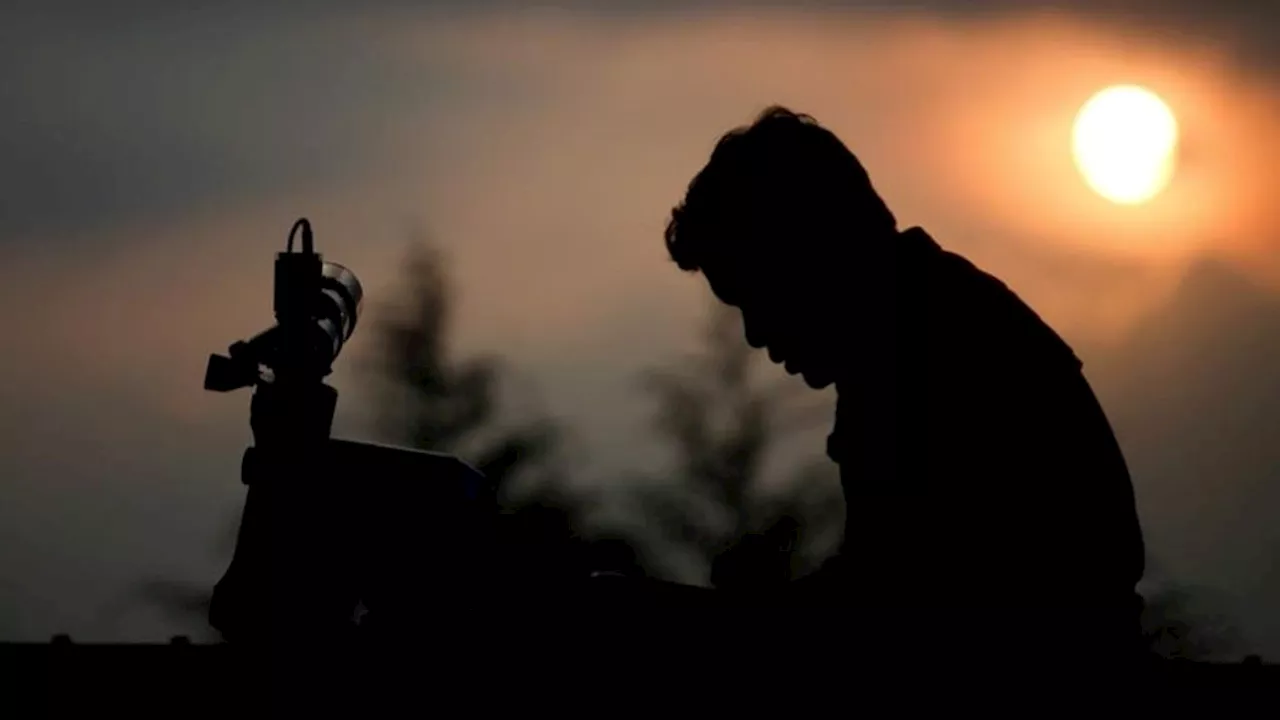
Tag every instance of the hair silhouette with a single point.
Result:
(783, 176)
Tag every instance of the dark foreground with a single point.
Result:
(63, 677)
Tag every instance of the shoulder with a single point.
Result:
(982, 312)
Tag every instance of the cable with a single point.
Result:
(307, 246)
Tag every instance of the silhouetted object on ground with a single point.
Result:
(330, 525)
(440, 404)
(981, 475)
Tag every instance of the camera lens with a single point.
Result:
(340, 299)
(341, 285)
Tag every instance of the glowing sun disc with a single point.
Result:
(1125, 142)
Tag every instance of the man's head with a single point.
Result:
(778, 221)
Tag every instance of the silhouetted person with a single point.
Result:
(988, 501)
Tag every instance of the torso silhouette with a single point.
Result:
(979, 470)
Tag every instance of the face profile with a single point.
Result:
(768, 221)
(784, 318)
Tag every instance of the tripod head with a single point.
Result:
(316, 305)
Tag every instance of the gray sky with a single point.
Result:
(154, 159)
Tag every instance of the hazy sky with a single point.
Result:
(154, 158)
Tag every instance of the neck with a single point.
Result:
(865, 294)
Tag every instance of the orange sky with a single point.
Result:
(558, 198)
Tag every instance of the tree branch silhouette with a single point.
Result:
(722, 421)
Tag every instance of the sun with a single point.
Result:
(1125, 142)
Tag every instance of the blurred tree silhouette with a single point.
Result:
(434, 401)
(722, 422)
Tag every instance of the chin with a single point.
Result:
(817, 382)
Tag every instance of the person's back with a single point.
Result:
(985, 490)
(1010, 500)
